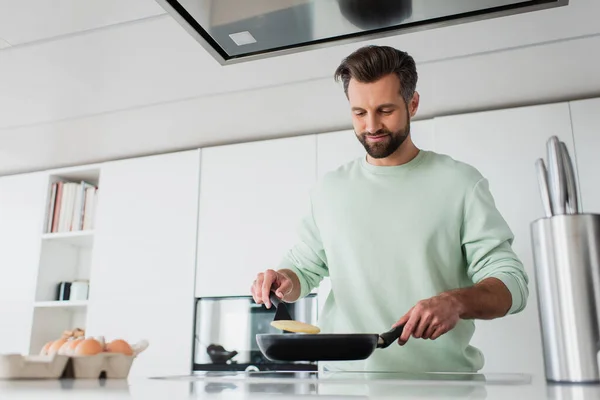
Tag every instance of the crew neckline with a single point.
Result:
(394, 169)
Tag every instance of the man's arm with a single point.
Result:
(305, 263)
(431, 318)
(294, 294)
(500, 281)
(488, 299)
(487, 242)
(302, 268)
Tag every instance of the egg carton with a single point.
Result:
(55, 366)
(17, 366)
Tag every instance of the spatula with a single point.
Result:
(281, 311)
(282, 314)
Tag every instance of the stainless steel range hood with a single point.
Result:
(235, 31)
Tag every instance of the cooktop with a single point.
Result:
(330, 376)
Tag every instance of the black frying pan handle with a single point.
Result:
(390, 337)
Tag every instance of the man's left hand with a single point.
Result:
(430, 318)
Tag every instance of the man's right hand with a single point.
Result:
(266, 282)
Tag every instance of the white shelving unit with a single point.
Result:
(83, 239)
(81, 304)
(65, 255)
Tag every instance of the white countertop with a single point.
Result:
(302, 385)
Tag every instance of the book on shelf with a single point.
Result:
(71, 206)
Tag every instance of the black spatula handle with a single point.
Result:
(389, 337)
(275, 301)
(281, 312)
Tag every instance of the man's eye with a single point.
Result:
(359, 113)
(386, 111)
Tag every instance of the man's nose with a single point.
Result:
(373, 124)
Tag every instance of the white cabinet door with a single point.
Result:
(337, 148)
(252, 197)
(142, 277)
(586, 131)
(503, 145)
(22, 202)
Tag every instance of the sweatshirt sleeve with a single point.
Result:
(487, 243)
(307, 257)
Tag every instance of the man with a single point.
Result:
(407, 236)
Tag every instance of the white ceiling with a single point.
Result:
(3, 44)
(25, 21)
(70, 75)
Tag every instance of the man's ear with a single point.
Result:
(414, 104)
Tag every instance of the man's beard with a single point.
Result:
(388, 145)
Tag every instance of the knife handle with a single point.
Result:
(572, 197)
(542, 174)
(556, 173)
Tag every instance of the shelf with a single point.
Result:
(70, 304)
(76, 238)
(89, 173)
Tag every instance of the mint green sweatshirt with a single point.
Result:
(388, 237)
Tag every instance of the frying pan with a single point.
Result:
(320, 347)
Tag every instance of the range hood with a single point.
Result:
(234, 31)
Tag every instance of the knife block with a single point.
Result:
(566, 253)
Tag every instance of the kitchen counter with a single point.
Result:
(303, 385)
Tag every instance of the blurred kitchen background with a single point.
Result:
(148, 172)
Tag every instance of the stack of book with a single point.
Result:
(71, 206)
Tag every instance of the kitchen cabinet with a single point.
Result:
(337, 148)
(142, 273)
(585, 115)
(252, 198)
(22, 199)
(504, 145)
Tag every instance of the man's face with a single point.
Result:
(380, 116)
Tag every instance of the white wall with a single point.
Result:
(118, 99)
(503, 144)
(585, 116)
(148, 88)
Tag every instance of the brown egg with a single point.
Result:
(119, 346)
(87, 347)
(64, 347)
(79, 333)
(73, 343)
(68, 349)
(56, 345)
(102, 342)
(46, 347)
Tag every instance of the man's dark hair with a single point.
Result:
(371, 63)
